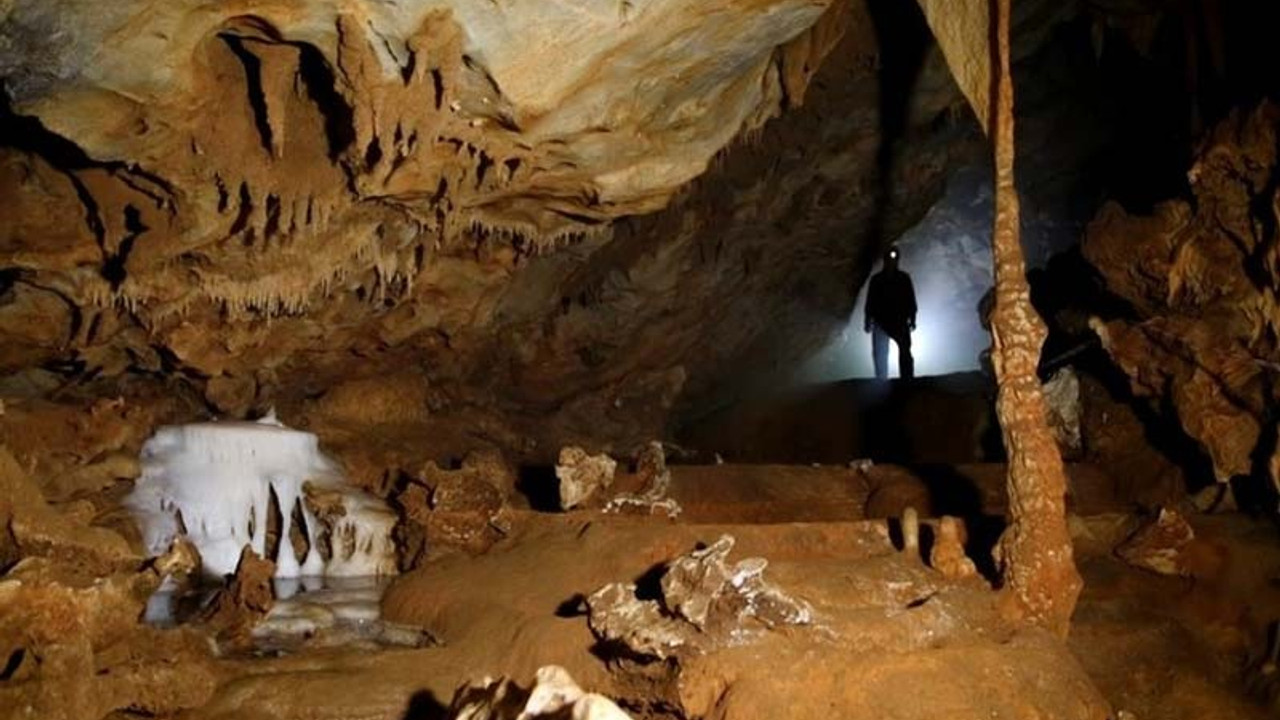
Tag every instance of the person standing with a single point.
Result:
(891, 315)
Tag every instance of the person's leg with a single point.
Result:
(906, 363)
(880, 352)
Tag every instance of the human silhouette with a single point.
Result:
(891, 314)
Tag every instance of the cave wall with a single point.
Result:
(1199, 338)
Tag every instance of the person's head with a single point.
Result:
(891, 258)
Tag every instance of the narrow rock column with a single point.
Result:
(1040, 579)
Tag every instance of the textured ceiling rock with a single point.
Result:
(309, 195)
(528, 224)
(963, 28)
(256, 160)
(1202, 278)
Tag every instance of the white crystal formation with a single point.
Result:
(218, 483)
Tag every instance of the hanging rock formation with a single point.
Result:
(278, 201)
(1202, 278)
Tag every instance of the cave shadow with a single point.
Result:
(540, 487)
(881, 427)
(424, 705)
(958, 495)
(1255, 493)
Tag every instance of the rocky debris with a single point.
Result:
(465, 508)
(75, 650)
(1062, 396)
(581, 475)
(655, 478)
(554, 696)
(705, 603)
(180, 562)
(1159, 546)
(244, 600)
(947, 555)
(1201, 275)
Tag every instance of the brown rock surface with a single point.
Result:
(75, 650)
(582, 475)
(244, 600)
(1201, 277)
(947, 554)
(1035, 554)
(309, 207)
(38, 529)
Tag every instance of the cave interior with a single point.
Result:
(514, 359)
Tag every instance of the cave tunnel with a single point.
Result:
(355, 355)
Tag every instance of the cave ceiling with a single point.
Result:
(575, 211)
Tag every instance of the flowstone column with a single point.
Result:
(1041, 583)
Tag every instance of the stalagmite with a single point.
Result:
(1040, 578)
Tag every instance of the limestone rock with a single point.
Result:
(327, 198)
(244, 600)
(651, 468)
(1201, 276)
(581, 475)
(554, 696)
(465, 508)
(75, 648)
(705, 602)
(1062, 396)
(617, 615)
(947, 555)
(490, 465)
(39, 529)
(1159, 545)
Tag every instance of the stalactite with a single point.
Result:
(1041, 583)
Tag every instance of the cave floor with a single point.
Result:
(891, 638)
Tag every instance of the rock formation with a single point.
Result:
(465, 508)
(582, 475)
(553, 696)
(1035, 551)
(289, 202)
(225, 485)
(1202, 278)
(655, 482)
(244, 599)
(705, 602)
